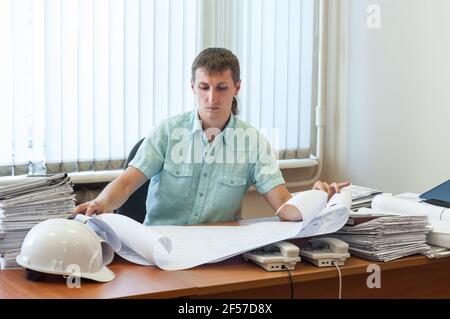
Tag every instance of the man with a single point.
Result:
(198, 172)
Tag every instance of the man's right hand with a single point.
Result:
(89, 208)
(114, 194)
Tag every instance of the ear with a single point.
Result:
(237, 87)
(192, 86)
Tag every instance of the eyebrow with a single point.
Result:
(220, 83)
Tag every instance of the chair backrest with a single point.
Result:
(135, 207)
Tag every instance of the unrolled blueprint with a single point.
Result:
(182, 247)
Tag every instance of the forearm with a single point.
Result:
(278, 196)
(283, 199)
(118, 191)
(114, 195)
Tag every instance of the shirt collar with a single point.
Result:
(227, 133)
(196, 124)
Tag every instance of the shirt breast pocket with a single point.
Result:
(230, 191)
(176, 180)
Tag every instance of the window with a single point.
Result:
(82, 81)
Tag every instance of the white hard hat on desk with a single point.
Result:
(56, 246)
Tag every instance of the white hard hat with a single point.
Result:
(58, 246)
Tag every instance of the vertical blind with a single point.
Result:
(82, 81)
(276, 42)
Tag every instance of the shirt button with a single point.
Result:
(204, 175)
(231, 182)
(201, 194)
(177, 172)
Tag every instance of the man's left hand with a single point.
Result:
(331, 189)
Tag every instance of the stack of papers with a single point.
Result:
(25, 204)
(437, 252)
(362, 196)
(385, 237)
(411, 204)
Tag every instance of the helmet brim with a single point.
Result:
(103, 275)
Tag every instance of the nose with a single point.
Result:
(212, 96)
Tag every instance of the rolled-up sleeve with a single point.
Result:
(149, 158)
(266, 172)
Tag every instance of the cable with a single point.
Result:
(340, 279)
(291, 282)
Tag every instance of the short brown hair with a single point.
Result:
(218, 60)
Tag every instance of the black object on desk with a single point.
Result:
(439, 195)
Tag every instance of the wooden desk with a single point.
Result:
(131, 281)
(410, 277)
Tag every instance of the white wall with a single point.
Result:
(389, 99)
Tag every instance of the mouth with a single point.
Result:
(212, 109)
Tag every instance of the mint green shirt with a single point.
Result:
(194, 181)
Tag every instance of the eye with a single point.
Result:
(222, 88)
(203, 87)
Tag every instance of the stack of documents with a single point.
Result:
(362, 196)
(25, 204)
(411, 204)
(385, 237)
(437, 252)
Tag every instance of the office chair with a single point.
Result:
(135, 207)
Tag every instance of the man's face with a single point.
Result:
(215, 94)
